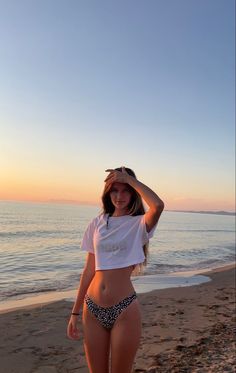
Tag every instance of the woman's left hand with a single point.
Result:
(116, 176)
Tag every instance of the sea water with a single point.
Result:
(40, 245)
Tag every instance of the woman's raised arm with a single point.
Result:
(155, 204)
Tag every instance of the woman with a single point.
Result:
(116, 242)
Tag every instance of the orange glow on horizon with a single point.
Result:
(60, 190)
(41, 192)
(170, 204)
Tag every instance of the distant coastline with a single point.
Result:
(95, 204)
(206, 212)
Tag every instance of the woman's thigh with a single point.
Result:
(125, 338)
(96, 343)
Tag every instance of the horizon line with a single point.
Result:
(89, 203)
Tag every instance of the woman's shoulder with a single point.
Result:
(98, 218)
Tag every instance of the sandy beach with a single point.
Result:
(185, 330)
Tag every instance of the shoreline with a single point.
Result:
(145, 284)
(142, 284)
(184, 329)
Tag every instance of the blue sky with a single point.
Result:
(88, 85)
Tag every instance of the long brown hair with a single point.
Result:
(135, 207)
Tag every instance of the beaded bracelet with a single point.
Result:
(74, 314)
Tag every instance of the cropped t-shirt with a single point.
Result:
(120, 244)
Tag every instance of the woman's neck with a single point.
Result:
(119, 213)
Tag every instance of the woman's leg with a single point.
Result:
(125, 339)
(96, 343)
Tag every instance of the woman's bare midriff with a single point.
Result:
(109, 287)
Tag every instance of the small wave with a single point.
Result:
(36, 233)
(198, 230)
(24, 293)
(163, 268)
(37, 286)
(211, 262)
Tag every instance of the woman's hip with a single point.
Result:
(107, 295)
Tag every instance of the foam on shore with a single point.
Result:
(142, 284)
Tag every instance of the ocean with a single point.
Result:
(40, 245)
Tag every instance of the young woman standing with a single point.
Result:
(116, 241)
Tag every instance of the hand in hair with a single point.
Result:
(116, 176)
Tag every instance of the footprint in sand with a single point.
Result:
(182, 339)
(46, 369)
(222, 298)
(181, 300)
(35, 350)
(213, 306)
(37, 332)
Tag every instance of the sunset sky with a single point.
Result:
(90, 85)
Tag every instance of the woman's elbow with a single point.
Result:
(160, 206)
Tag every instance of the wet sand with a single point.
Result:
(185, 330)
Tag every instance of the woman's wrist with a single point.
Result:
(132, 181)
(75, 313)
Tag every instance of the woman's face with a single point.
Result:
(120, 196)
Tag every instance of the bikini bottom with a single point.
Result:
(108, 315)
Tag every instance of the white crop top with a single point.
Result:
(118, 246)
